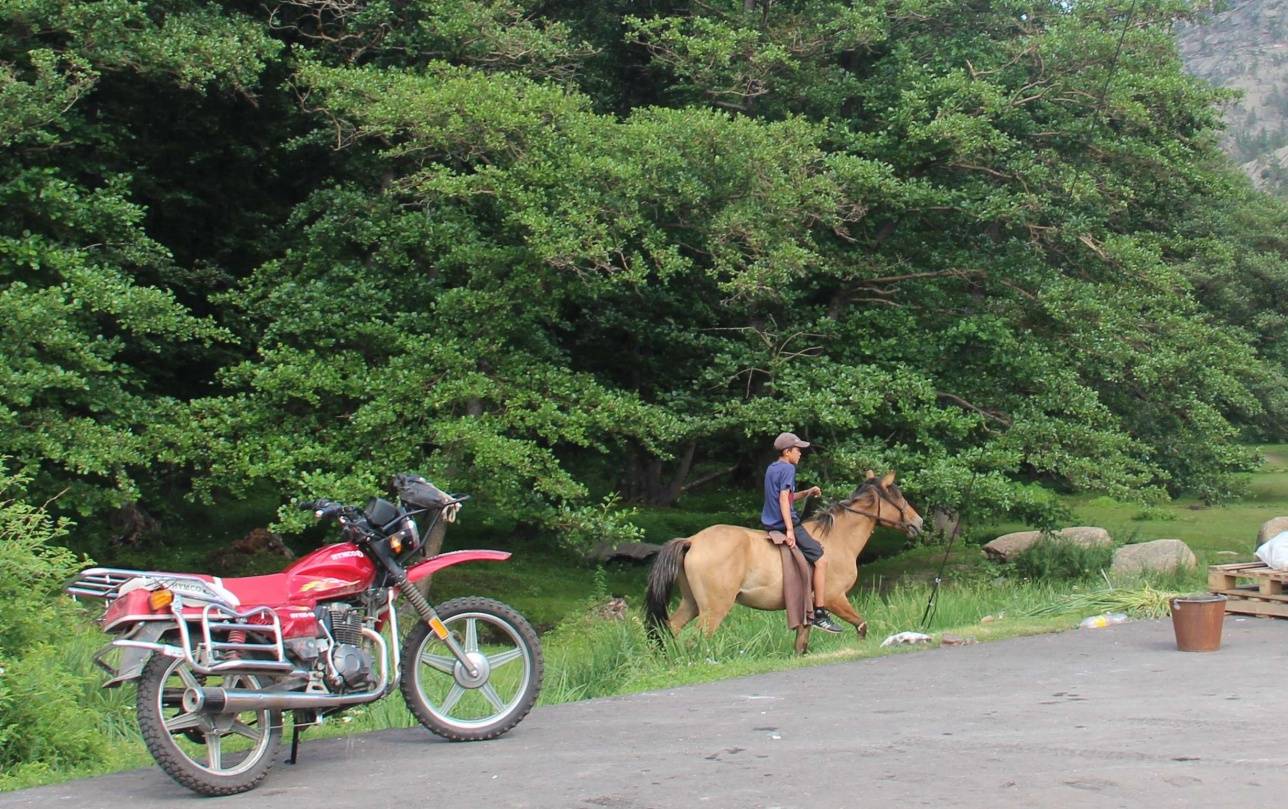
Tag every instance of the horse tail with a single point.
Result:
(661, 579)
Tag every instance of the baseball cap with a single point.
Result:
(785, 440)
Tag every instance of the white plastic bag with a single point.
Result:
(906, 639)
(1104, 620)
(1275, 551)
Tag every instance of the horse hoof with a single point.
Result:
(862, 629)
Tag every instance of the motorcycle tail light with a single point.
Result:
(160, 599)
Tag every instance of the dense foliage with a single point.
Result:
(565, 255)
(42, 723)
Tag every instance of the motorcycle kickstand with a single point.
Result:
(295, 742)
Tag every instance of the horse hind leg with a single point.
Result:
(687, 609)
(712, 616)
(713, 603)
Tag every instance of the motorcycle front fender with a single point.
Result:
(434, 564)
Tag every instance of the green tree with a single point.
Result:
(99, 330)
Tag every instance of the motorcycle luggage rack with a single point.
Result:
(103, 582)
(106, 582)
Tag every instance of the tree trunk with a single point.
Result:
(433, 547)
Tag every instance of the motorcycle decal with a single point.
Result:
(329, 584)
(346, 554)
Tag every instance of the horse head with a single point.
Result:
(881, 499)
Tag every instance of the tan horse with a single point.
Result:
(724, 564)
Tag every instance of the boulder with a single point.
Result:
(1086, 535)
(262, 540)
(632, 551)
(1008, 546)
(1159, 556)
(257, 552)
(944, 522)
(614, 609)
(1270, 528)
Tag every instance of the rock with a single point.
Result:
(1087, 536)
(633, 551)
(1008, 546)
(1270, 528)
(1159, 556)
(944, 522)
(252, 554)
(614, 609)
(132, 526)
(262, 540)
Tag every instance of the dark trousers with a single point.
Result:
(810, 549)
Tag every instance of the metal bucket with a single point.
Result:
(1197, 622)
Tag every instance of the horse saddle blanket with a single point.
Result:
(798, 579)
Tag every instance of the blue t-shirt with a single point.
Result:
(780, 476)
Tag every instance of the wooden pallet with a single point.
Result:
(1265, 595)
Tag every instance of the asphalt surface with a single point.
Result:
(1112, 717)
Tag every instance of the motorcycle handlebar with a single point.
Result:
(322, 509)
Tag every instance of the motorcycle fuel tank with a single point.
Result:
(330, 572)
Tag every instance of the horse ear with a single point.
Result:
(888, 479)
(871, 474)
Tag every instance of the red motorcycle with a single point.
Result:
(218, 661)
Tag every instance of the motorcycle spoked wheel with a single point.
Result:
(211, 754)
(440, 692)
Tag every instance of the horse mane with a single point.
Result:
(825, 520)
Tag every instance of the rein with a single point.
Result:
(903, 517)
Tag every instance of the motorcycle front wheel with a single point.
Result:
(211, 754)
(504, 649)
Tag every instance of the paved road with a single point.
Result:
(1094, 718)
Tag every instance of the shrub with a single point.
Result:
(1053, 559)
(44, 724)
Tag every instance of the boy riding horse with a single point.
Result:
(779, 514)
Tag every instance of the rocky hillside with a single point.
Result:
(1246, 48)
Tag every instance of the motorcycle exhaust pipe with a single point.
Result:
(237, 700)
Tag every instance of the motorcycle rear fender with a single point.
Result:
(131, 658)
(132, 608)
(434, 564)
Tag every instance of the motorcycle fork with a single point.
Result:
(430, 617)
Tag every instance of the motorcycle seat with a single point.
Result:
(271, 590)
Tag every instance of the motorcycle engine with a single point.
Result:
(349, 662)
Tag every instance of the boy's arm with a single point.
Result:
(785, 511)
(810, 492)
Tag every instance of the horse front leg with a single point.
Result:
(802, 639)
(841, 607)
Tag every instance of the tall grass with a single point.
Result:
(590, 657)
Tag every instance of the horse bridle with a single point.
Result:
(882, 495)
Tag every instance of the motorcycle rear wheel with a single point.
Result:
(211, 754)
(505, 649)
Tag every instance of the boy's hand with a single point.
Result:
(813, 491)
(791, 540)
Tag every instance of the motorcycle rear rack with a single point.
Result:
(103, 582)
(106, 582)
